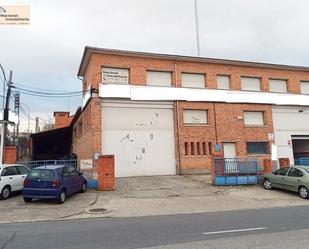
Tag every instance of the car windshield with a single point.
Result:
(42, 174)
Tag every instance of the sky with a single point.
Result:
(46, 54)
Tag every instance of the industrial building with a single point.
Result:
(165, 114)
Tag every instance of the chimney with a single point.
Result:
(62, 119)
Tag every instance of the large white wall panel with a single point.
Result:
(141, 136)
(288, 121)
(189, 94)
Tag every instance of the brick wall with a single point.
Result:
(225, 121)
(87, 131)
(229, 127)
(10, 154)
(62, 119)
(138, 67)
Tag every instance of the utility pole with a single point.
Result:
(197, 28)
(5, 120)
(37, 126)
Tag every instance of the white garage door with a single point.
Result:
(141, 136)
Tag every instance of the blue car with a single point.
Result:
(53, 182)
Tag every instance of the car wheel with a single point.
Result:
(267, 184)
(62, 197)
(26, 199)
(84, 188)
(303, 192)
(5, 193)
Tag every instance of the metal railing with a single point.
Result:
(34, 164)
(235, 166)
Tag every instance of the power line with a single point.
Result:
(51, 96)
(49, 93)
(37, 88)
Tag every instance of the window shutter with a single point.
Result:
(193, 80)
(155, 78)
(304, 86)
(250, 84)
(254, 118)
(195, 116)
(279, 86)
(223, 82)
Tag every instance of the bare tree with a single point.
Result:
(48, 126)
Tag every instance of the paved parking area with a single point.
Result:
(142, 196)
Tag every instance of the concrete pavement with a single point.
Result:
(143, 196)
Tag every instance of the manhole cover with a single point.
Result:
(98, 210)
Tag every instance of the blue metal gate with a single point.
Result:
(302, 161)
(235, 171)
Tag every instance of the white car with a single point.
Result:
(12, 178)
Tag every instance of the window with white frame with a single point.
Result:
(157, 78)
(193, 80)
(278, 86)
(115, 75)
(304, 87)
(223, 82)
(253, 118)
(195, 117)
(250, 84)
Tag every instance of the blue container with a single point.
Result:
(92, 184)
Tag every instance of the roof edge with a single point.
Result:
(88, 51)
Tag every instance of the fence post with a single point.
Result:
(212, 170)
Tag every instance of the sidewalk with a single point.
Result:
(143, 196)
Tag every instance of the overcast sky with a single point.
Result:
(46, 54)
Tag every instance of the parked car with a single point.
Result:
(294, 178)
(11, 179)
(53, 182)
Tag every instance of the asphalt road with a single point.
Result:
(263, 228)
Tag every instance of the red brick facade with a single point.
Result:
(225, 121)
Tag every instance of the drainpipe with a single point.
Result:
(177, 117)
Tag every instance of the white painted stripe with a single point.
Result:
(236, 230)
(150, 93)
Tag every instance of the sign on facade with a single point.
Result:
(86, 164)
(271, 136)
(115, 76)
